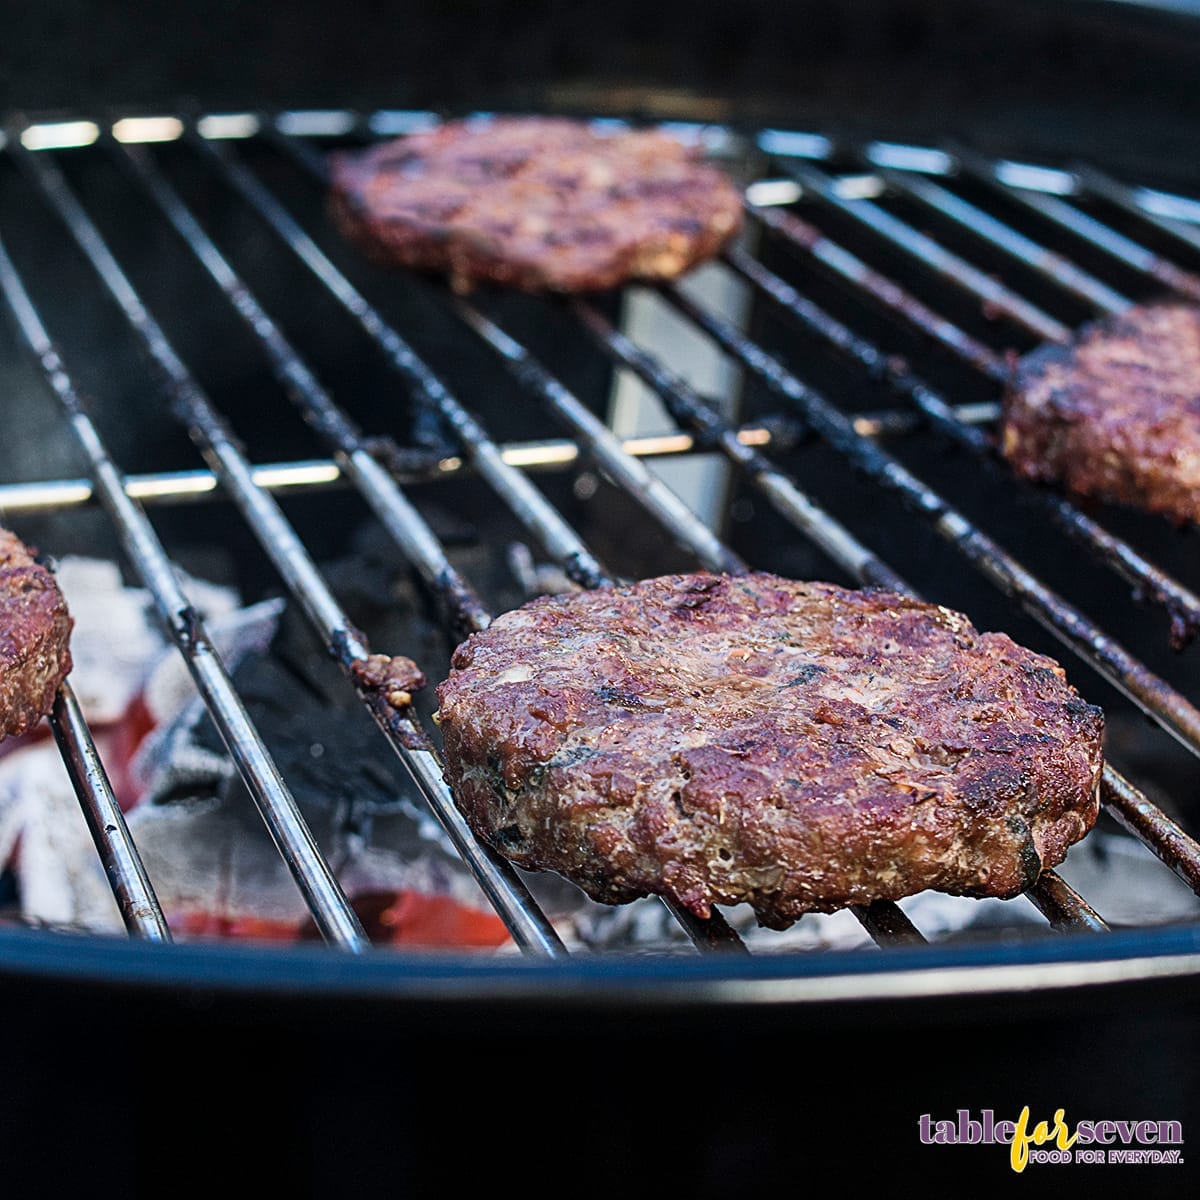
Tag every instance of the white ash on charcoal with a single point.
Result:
(116, 643)
(56, 877)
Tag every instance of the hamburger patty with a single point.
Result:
(35, 629)
(535, 203)
(795, 746)
(1115, 414)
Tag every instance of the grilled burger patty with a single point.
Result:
(535, 203)
(1115, 414)
(796, 746)
(35, 629)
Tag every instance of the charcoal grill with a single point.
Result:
(886, 283)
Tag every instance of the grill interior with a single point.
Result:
(175, 288)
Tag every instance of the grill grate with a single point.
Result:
(380, 470)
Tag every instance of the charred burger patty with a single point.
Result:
(795, 746)
(535, 203)
(1116, 414)
(35, 629)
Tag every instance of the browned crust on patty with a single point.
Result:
(535, 203)
(35, 630)
(794, 746)
(1115, 414)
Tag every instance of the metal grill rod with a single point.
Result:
(1126, 199)
(1084, 226)
(334, 917)
(530, 929)
(1063, 906)
(625, 471)
(499, 879)
(123, 866)
(1169, 842)
(995, 295)
(887, 923)
(1181, 604)
(551, 454)
(165, 487)
(849, 266)
(1076, 913)
(1049, 263)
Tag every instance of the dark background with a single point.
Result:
(1114, 80)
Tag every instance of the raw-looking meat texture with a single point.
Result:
(535, 203)
(35, 631)
(1115, 414)
(795, 746)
